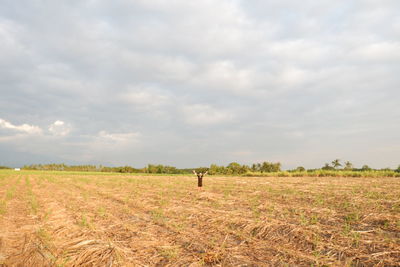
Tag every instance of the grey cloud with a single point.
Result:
(192, 83)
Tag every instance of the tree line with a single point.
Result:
(337, 165)
(233, 168)
(4, 168)
(150, 168)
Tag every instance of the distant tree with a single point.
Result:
(327, 167)
(300, 169)
(215, 169)
(270, 167)
(266, 167)
(244, 169)
(258, 166)
(365, 168)
(336, 163)
(398, 169)
(254, 167)
(236, 168)
(348, 165)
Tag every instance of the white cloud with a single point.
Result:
(293, 77)
(23, 128)
(302, 52)
(59, 128)
(144, 96)
(200, 114)
(118, 137)
(379, 52)
(225, 75)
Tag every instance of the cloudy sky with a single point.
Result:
(190, 83)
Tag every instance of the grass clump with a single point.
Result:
(34, 204)
(10, 193)
(84, 221)
(3, 207)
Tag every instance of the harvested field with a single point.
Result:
(78, 219)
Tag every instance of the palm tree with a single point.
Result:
(336, 163)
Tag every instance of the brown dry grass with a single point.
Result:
(87, 220)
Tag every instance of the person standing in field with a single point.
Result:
(199, 177)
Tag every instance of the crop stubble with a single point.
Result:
(116, 220)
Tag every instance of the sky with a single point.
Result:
(191, 83)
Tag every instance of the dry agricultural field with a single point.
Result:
(96, 219)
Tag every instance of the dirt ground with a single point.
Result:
(77, 219)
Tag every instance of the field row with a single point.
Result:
(50, 219)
